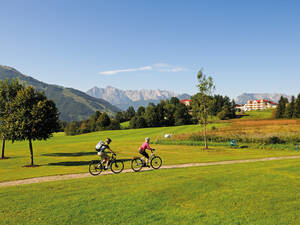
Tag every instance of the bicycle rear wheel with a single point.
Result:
(156, 162)
(136, 164)
(95, 167)
(117, 166)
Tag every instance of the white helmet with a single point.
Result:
(147, 139)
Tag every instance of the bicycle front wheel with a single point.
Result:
(136, 164)
(156, 162)
(95, 167)
(117, 166)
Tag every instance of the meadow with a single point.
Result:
(251, 193)
(71, 154)
(260, 134)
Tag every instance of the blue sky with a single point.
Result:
(246, 46)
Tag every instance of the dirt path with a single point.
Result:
(83, 175)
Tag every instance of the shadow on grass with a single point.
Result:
(71, 163)
(72, 154)
(79, 163)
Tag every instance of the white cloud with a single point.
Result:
(160, 67)
(164, 67)
(112, 72)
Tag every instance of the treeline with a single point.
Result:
(166, 113)
(174, 113)
(288, 110)
(98, 121)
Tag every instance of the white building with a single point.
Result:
(260, 104)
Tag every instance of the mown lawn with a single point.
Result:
(72, 154)
(258, 114)
(251, 193)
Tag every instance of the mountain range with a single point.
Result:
(243, 98)
(71, 103)
(125, 98)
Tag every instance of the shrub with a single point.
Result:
(274, 140)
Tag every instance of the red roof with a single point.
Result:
(185, 100)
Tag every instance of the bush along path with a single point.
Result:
(83, 175)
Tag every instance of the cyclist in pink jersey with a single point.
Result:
(142, 150)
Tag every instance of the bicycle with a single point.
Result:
(115, 165)
(137, 163)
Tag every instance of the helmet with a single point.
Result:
(108, 140)
(147, 139)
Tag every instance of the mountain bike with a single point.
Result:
(137, 163)
(115, 165)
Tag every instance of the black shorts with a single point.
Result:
(144, 153)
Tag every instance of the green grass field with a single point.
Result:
(72, 154)
(258, 114)
(251, 193)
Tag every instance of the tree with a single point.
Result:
(151, 116)
(103, 121)
(34, 116)
(280, 110)
(72, 128)
(119, 117)
(174, 101)
(8, 91)
(140, 111)
(297, 107)
(169, 113)
(203, 101)
(91, 125)
(182, 115)
(290, 109)
(160, 112)
(130, 112)
(225, 114)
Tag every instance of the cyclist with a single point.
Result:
(101, 147)
(142, 150)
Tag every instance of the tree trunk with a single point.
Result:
(3, 148)
(31, 152)
(205, 138)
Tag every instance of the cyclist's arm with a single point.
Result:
(111, 151)
(148, 146)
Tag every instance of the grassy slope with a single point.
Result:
(72, 154)
(253, 193)
(258, 114)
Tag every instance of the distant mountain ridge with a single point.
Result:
(125, 98)
(243, 98)
(71, 103)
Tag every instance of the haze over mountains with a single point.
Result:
(71, 103)
(243, 98)
(125, 98)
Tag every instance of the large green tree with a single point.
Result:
(290, 109)
(182, 115)
(297, 107)
(34, 117)
(8, 92)
(151, 116)
(280, 109)
(203, 101)
(103, 121)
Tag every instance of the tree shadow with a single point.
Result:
(70, 163)
(124, 160)
(79, 163)
(72, 154)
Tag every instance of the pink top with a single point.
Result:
(145, 146)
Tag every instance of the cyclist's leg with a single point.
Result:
(145, 155)
(107, 159)
(100, 154)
